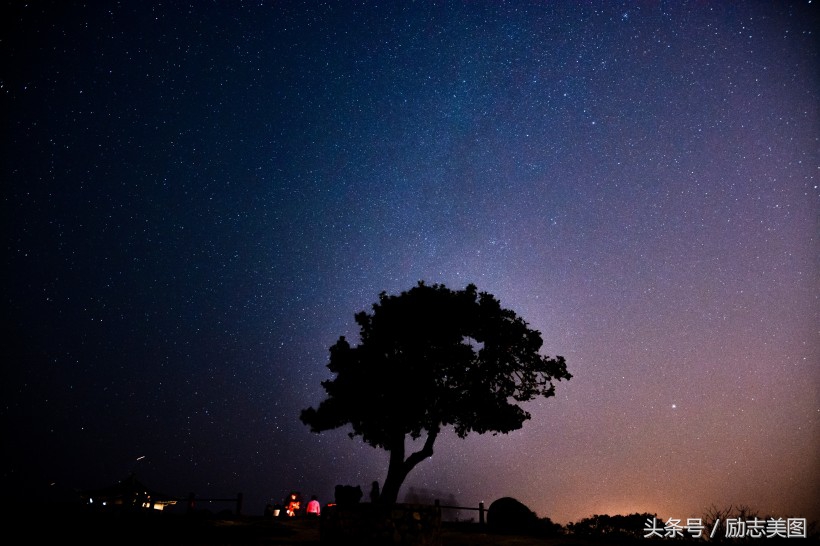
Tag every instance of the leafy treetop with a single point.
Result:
(429, 358)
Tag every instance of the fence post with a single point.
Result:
(481, 513)
(239, 504)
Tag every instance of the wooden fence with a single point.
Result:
(480, 509)
(193, 499)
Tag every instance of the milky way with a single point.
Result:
(198, 199)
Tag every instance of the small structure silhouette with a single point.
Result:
(508, 515)
(347, 495)
(128, 494)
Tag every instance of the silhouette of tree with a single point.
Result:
(632, 526)
(716, 516)
(429, 358)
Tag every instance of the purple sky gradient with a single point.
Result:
(197, 201)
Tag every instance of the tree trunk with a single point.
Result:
(396, 474)
(399, 468)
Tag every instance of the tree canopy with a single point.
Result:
(431, 358)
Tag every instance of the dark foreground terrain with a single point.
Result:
(160, 529)
(156, 529)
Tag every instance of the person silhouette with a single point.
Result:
(313, 507)
(293, 504)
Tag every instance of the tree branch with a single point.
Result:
(424, 452)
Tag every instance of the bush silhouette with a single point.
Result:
(508, 515)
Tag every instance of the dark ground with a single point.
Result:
(157, 529)
(67, 526)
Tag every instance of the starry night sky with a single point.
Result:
(197, 199)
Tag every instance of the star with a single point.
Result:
(187, 238)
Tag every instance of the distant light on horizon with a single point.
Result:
(188, 236)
